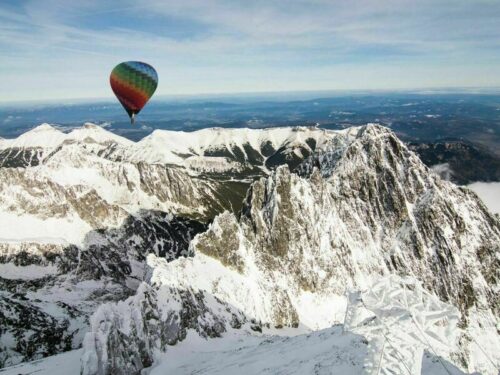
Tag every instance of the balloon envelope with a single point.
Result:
(133, 83)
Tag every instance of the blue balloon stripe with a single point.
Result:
(143, 68)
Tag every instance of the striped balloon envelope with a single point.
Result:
(133, 83)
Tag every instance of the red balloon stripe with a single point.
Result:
(134, 98)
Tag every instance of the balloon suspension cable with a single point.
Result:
(132, 119)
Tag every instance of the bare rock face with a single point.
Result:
(223, 243)
(361, 207)
(20, 157)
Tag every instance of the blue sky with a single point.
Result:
(62, 49)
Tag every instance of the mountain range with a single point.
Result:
(247, 243)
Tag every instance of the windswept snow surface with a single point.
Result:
(395, 312)
(30, 272)
(328, 351)
(29, 228)
(67, 363)
(322, 352)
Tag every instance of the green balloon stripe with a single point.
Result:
(135, 78)
(135, 74)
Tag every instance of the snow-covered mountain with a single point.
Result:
(361, 208)
(30, 148)
(343, 232)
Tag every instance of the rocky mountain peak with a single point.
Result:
(360, 209)
(42, 128)
(363, 206)
(90, 125)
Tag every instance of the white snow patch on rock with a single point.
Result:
(30, 272)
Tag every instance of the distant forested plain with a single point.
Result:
(458, 129)
(473, 118)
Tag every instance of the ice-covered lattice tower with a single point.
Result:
(400, 319)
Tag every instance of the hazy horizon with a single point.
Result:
(266, 95)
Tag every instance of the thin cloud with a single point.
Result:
(324, 44)
(489, 193)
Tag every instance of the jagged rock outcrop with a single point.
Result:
(367, 207)
(132, 331)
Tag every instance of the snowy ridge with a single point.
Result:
(172, 147)
(63, 174)
(48, 137)
(44, 136)
(96, 134)
(32, 147)
(74, 191)
(186, 149)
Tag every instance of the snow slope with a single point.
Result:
(61, 364)
(327, 351)
(389, 328)
(43, 136)
(322, 352)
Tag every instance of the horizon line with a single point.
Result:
(471, 90)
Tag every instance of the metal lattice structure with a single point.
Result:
(400, 319)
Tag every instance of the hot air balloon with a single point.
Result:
(133, 83)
